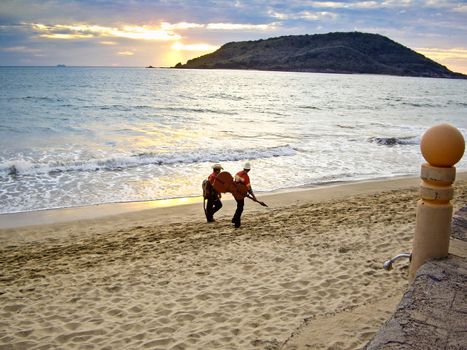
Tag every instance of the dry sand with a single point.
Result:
(305, 273)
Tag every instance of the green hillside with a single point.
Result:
(327, 53)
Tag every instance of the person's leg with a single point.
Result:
(238, 213)
(209, 210)
(217, 206)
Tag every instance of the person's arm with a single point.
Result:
(250, 191)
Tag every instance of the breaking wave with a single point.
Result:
(393, 141)
(122, 162)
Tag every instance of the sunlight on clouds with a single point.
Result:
(455, 59)
(181, 25)
(440, 55)
(145, 33)
(125, 53)
(66, 36)
(170, 58)
(164, 32)
(90, 31)
(180, 52)
(82, 28)
(194, 47)
(40, 27)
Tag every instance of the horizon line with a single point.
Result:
(67, 66)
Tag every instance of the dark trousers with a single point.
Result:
(238, 213)
(213, 205)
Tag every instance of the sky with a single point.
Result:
(164, 32)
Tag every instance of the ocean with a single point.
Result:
(72, 136)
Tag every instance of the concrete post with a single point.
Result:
(442, 146)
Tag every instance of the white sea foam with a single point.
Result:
(122, 162)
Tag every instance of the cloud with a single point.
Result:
(180, 26)
(453, 58)
(65, 36)
(304, 15)
(86, 31)
(329, 4)
(20, 49)
(164, 32)
(125, 53)
(348, 5)
(460, 8)
(381, 4)
(278, 15)
(144, 33)
(194, 47)
(443, 54)
(236, 26)
(158, 30)
(317, 16)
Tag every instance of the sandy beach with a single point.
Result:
(305, 273)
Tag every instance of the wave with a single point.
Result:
(225, 96)
(457, 103)
(195, 110)
(345, 126)
(309, 107)
(392, 141)
(33, 98)
(122, 162)
(423, 105)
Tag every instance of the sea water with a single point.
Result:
(81, 136)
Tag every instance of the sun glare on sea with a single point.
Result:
(174, 202)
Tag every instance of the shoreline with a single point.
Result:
(96, 211)
(165, 279)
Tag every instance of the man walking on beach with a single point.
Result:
(214, 198)
(243, 178)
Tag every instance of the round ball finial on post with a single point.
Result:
(442, 146)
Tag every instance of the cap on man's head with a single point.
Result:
(217, 166)
(247, 166)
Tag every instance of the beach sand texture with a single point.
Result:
(301, 274)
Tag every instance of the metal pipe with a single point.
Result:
(388, 263)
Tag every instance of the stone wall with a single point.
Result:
(433, 311)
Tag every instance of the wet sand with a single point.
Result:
(304, 273)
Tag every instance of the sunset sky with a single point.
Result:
(163, 33)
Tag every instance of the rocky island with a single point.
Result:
(352, 52)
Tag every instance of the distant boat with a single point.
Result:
(149, 67)
(61, 65)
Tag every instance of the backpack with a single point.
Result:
(207, 189)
